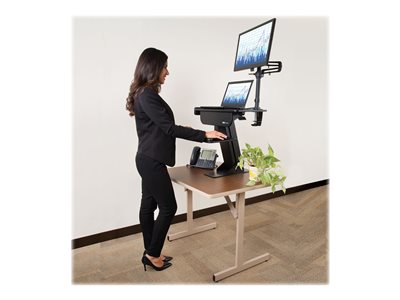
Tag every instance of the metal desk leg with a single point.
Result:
(239, 264)
(189, 221)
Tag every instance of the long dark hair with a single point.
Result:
(147, 74)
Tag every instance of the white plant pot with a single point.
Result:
(253, 173)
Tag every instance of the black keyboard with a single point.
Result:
(212, 140)
(218, 140)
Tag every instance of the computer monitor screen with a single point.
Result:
(236, 94)
(254, 46)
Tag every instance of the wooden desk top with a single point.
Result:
(195, 180)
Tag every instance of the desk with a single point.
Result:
(194, 180)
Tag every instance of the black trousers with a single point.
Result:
(157, 191)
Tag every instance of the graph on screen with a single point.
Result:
(236, 94)
(253, 47)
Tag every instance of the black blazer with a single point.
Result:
(156, 128)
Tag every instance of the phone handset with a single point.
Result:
(195, 155)
(203, 158)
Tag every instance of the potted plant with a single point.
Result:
(262, 167)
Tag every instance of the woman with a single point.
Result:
(157, 132)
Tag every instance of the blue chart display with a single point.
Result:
(237, 94)
(253, 47)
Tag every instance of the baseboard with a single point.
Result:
(125, 231)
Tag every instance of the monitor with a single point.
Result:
(236, 94)
(254, 46)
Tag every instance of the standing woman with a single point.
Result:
(157, 133)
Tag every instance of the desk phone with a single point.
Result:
(203, 158)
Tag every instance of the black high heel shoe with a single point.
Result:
(166, 258)
(146, 261)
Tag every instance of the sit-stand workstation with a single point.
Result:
(253, 51)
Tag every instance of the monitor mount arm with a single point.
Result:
(272, 67)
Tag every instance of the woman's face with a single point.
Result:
(164, 73)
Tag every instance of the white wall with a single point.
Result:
(106, 185)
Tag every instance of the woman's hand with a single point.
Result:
(215, 135)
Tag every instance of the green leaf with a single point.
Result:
(270, 150)
(240, 164)
(251, 183)
(272, 158)
(268, 177)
